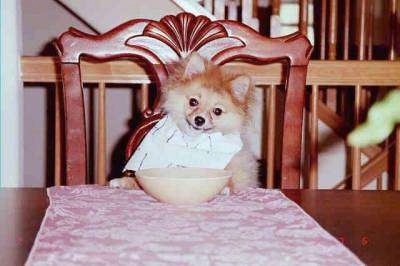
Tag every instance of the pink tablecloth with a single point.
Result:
(92, 225)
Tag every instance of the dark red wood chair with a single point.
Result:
(160, 43)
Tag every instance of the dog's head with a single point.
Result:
(202, 97)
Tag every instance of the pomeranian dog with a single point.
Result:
(203, 98)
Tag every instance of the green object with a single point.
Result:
(381, 120)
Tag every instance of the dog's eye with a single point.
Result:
(193, 102)
(217, 111)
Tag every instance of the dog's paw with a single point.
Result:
(124, 182)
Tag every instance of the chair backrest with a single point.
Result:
(161, 43)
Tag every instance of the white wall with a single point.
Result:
(11, 95)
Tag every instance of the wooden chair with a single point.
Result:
(160, 43)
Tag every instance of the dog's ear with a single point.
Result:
(240, 86)
(195, 65)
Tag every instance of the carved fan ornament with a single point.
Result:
(175, 37)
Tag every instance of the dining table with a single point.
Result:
(366, 222)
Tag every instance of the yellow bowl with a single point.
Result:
(186, 186)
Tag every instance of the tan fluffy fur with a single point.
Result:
(213, 87)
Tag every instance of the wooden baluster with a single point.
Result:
(312, 115)
(370, 28)
(365, 17)
(346, 30)
(303, 17)
(332, 37)
(393, 26)
(397, 160)
(144, 97)
(276, 6)
(101, 136)
(332, 42)
(361, 33)
(303, 27)
(392, 56)
(355, 152)
(219, 9)
(322, 35)
(232, 10)
(57, 135)
(313, 134)
(255, 6)
(270, 166)
(346, 33)
(370, 34)
(368, 17)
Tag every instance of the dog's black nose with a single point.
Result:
(199, 121)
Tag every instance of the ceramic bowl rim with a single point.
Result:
(224, 173)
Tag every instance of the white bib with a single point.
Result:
(166, 146)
